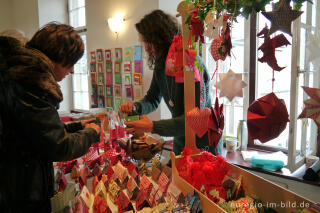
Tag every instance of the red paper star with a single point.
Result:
(282, 17)
(231, 85)
(312, 106)
(215, 124)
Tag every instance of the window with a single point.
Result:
(300, 71)
(77, 19)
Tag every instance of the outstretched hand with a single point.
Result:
(141, 126)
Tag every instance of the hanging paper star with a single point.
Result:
(282, 17)
(215, 124)
(312, 106)
(313, 47)
(230, 85)
(212, 31)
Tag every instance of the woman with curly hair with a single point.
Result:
(156, 31)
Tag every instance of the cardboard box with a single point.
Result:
(272, 195)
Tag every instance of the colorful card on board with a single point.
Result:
(100, 101)
(118, 54)
(117, 78)
(109, 90)
(127, 78)
(100, 89)
(137, 53)
(128, 54)
(94, 89)
(94, 101)
(100, 67)
(137, 92)
(93, 57)
(117, 103)
(137, 78)
(137, 67)
(109, 78)
(100, 78)
(117, 90)
(93, 78)
(109, 67)
(117, 67)
(127, 67)
(109, 102)
(107, 54)
(129, 92)
(92, 67)
(100, 55)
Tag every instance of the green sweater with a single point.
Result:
(164, 86)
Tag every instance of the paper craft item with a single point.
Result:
(198, 120)
(267, 117)
(144, 183)
(94, 101)
(175, 194)
(93, 67)
(93, 57)
(108, 67)
(155, 196)
(269, 46)
(137, 92)
(142, 199)
(109, 102)
(212, 31)
(122, 172)
(197, 27)
(87, 197)
(117, 103)
(100, 68)
(61, 199)
(167, 171)
(114, 189)
(94, 89)
(124, 203)
(128, 54)
(93, 78)
(100, 206)
(312, 105)
(155, 174)
(67, 166)
(100, 55)
(127, 78)
(215, 124)
(118, 54)
(75, 173)
(109, 78)
(129, 92)
(282, 17)
(137, 53)
(163, 183)
(117, 90)
(108, 55)
(117, 78)
(137, 67)
(117, 67)
(109, 90)
(100, 190)
(100, 89)
(231, 85)
(155, 161)
(137, 78)
(100, 78)
(127, 67)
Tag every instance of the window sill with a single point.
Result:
(236, 159)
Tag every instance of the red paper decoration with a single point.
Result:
(215, 124)
(197, 27)
(198, 120)
(267, 117)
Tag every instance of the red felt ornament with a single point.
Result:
(197, 27)
(269, 46)
(215, 124)
(267, 117)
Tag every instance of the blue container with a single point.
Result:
(265, 163)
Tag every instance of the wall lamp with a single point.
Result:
(116, 23)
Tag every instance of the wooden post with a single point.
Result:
(189, 84)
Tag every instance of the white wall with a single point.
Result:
(99, 35)
(169, 6)
(5, 15)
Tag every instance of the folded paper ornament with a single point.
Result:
(197, 27)
(215, 124)
(267, 117)
(198, 120)
(230, 85)
(269, 47)
(312, 105)
(213, 25)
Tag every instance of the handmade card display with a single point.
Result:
(127, 78)
(118, 54)
(128, 54)
(137, 67)
(109, 67)
(100, 68)
(137, 78)
(93, 57)
(117, 78)
(137, 53)
(109, 90)
(93, 78)
(100, 89)
(108, 55)
(99, 55)
(92, 67)
(117, 103)
(100, 78)
(117, 90)
(117, 67)
(94, 89)
(109, 102)
(109, 78)
(137, 92)
(127, 67)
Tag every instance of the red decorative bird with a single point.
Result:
(269, 46)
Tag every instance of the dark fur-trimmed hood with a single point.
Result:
(28, 67)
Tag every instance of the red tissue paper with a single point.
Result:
(215, 124)
(267, 117)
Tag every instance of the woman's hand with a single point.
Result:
(141, 126)
(126, 107)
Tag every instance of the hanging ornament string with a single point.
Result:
(273, 49)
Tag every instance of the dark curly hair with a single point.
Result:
(158, 29)
(60, 42)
